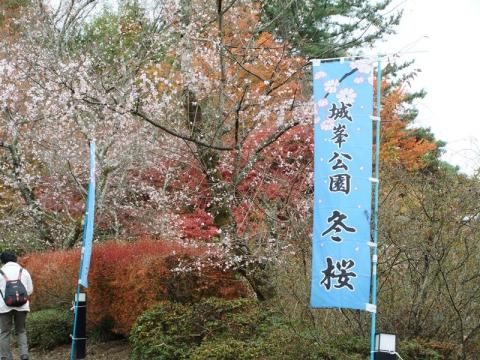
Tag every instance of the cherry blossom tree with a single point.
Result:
(53, 104)
(196, 107)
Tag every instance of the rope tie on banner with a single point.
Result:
(77, 338)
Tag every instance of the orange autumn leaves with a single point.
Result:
(237, 72)
(400, 145)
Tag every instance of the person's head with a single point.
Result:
(8, 256)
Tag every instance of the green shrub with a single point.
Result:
(227, 349)
(241, 318)
(279, 341)
(171, 330)
(165, 332)
(272, 342)
(413, 349)
(49, 328)
(218, 329)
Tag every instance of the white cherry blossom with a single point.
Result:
(364, 66)
(359, 80)
(320, 75)
(328, 124)
(347, 95)
(322, 102)
(331, 86)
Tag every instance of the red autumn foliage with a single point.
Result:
(54, 275)
(127, 278)
(198, 225)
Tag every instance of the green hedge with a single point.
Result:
(217, 329)
(275, 341)
(227, 349)
(49, 328)
(416, 349)
(164, 332)
(281, 343)
(173, 330)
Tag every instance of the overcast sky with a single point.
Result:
(446, 35)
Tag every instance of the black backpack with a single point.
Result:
(15, 292)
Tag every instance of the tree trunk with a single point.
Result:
(38, 215)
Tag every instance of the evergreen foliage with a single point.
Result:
(329, 28)
(216, 329)
(49, 328)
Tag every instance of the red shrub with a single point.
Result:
(54, 275)
(126, 279)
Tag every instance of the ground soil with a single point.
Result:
(112, 350)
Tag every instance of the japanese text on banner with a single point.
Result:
(343, 94)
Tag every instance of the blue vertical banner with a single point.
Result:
(341, 262)
(89, 221)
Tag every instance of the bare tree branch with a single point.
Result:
(178, 135)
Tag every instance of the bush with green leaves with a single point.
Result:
(164, 332)
(227, 349)
(280, 342)
(417, 349)
(218, 329)
(229, 330)
(49, 328)
(172, 330)
(273, 341)
(240, 329)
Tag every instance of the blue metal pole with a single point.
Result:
(375, 213)
(77, 297)
(88, 218)
(75, 315)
